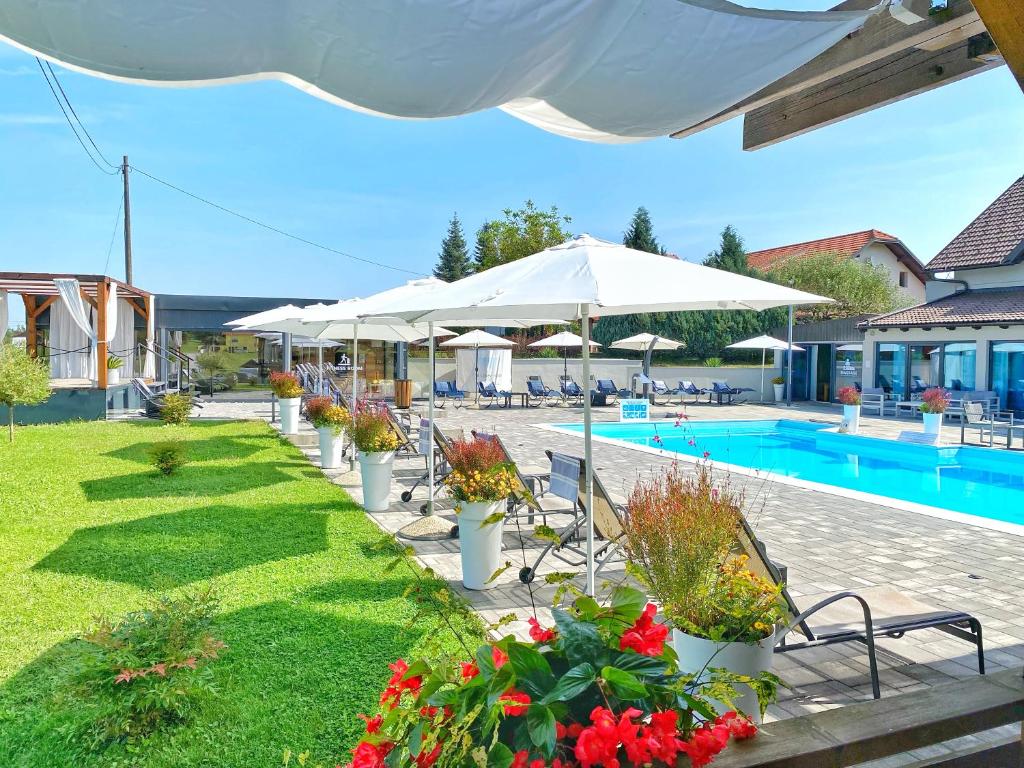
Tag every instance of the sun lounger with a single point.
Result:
(660, 389)
(607, 388)
(860, 616)
(529, 495)
(153, 402)
(722, 389)
(443, 390)
(689, 388)
(440, 454)
(567, 482)
(498, 397)
(537, 393)
(570, 389)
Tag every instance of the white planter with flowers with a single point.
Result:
(698, 656)
(851, 417)
(376, 469)
(932, 423)
(289, 407)
(780, 392)
(481, 525)
(934, 403)
(332, 445)
(329, 420)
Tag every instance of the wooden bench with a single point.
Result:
(893, 726)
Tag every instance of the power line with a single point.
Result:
(274, 229)
(71, 124)
(113, 235)
(77, 118)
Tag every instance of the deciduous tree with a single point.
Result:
(857, 287)
(23, 381)
(521, 233)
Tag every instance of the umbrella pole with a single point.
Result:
(476, 373)
(588, 483)
(355, 392)
(762, 373)
(430, 418)
(320, 368)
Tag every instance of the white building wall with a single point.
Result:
(1012, 275)
(880, 256)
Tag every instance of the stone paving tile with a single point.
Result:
(829, 543)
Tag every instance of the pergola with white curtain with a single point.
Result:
(91, 317)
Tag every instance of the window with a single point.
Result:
(1006, 374)
(958, 363)
(925, 360)
(903, 279)
(907, 370)
(891, 368)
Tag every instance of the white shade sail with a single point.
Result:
(763, 342)
(587, 69)
(642, 342)
(478, 338)
(563, 339)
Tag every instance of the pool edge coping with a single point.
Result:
(1001, 526)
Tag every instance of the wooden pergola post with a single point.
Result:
(30, 323)
(102, 287)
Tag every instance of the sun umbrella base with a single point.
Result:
(427, 528)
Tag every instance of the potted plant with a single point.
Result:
(114, 364)
(779, 387)
(934, 403)
(329, 420)
(850, 398)
(375, 440)
(680, 535)
(289, 395)
(480, 481)
(599, 688)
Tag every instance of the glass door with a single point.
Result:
(823, 373)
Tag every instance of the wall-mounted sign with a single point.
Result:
(848, 369)
(634, 410)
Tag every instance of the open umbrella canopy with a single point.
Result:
(478, 338)
(283, 319)
(563, 339)
(642, 342)
(763, 342)
(588, 69)
(292, 319)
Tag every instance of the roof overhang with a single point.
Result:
(41, 284)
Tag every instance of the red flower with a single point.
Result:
(705, 743)
(427, 759)
(645, 637)
(515, 702)
(372, 723)
(367, 755)
(538, 634)
(520, 759)
(499, 657)
(598, 744)
(706, 454)
(739, 727)
(396, 684)
(469, 670)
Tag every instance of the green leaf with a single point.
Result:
(532, 670)
(416, 739)
(497, 573)
(639, 664)
(580, 640)
(589, 609)
(497, 517)
(540, 721)
(546, 532)
(628, 603)
(572, 683)
(499, 756)
(624, 684)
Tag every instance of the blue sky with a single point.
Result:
(385, 189)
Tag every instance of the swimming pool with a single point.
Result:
(973, 481)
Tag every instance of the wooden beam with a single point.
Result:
(142, 311)
(897, 77)
(30, 323)
(41, 307)
(881, 36)
(101, 334)
(1004, 20)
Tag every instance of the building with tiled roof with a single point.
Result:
(870, 245)
(968, 334)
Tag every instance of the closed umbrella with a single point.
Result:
(477, 340)
(585, 278)
(646, 343)
(565, 340)
(764, 343)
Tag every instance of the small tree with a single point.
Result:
(858, 288)
(731, 255)
(453, 263)
(521, 233)
(212, 363)
(23, 381)
(640, 235)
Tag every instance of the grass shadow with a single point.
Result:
(207, 449)
(357, 590)
(177, 548)
(190, 480)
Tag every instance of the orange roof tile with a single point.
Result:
(846, 245)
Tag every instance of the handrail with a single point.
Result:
(171, 356)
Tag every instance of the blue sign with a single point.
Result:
(636, 409)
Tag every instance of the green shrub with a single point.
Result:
(176, 409)
(23, 381)
(713, 362)
(149, 669)
(168, 456)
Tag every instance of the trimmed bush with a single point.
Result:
(176, 409)
(168, 456)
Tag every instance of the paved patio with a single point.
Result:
(829, 543)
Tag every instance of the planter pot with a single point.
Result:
(851, 416)
(697, 655)
(113, 376)
(375, 469)
(289, 415)
(780, 392)
(331, 445)
(932, 423)
(480, 548)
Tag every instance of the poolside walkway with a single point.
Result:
(830, 543)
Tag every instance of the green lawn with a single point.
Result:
(310, 616)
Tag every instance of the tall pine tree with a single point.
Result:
(731, 255)
(453, 262)
(640, 235)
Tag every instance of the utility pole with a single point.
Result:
(127, 224)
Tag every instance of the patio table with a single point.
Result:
(912, 407)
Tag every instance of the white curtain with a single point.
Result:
(71, 329)
(3, 314)
(123, 342)
(494, 366)
(149, 366)
(111, 315)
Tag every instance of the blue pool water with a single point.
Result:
(975, 481)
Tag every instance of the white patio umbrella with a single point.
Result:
(477, 340)
(764, 343)
(565, 340)
(586, 278)
(646, 343)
